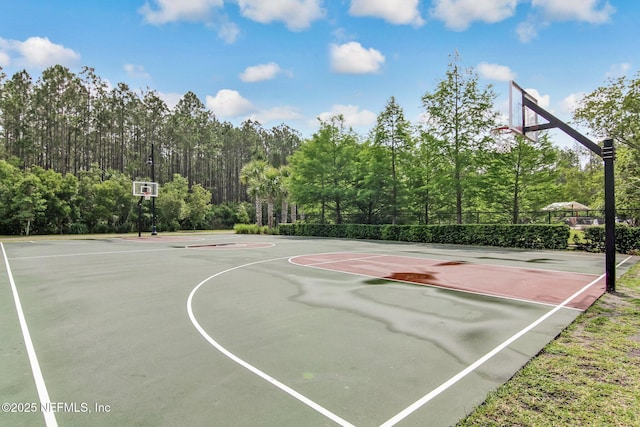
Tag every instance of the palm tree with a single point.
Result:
(271, 186)
(254, 176)
(283, 191)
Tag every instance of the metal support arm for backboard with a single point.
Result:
(607, 154)
(555, 122)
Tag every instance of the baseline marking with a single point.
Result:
(247, 365)
(475, 365)
(49, 416)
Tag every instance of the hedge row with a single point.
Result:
(514, 236)
(627, 239)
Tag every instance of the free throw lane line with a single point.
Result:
(475, 365)
(247, 365)
(45, 402)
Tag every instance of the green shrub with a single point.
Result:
(251, 229)
(519, 236)
(627, 239)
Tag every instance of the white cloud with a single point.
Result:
(496, 72)
(352, 58)
(618, 70)
(277, 114)
(575, 10)
(229, 103)
(571, 102)
(296, 14)
(459, 14)
(543, 100)
(193, 11)
(528, 30)
(5, 59)
(260, 72)
(171, 99)
(549, 11)
(228, 31)
(136, 71)
(399, 12)
(171, 10)
(352, 114)
(36, 52)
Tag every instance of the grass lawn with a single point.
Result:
(588, 376)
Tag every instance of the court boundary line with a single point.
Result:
(43, 394)
(475, 365)
(285, 388)
(449, 258)
(424, 285)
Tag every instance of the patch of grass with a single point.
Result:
(576, 237)
(589, 375)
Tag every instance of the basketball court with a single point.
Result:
(211, 329)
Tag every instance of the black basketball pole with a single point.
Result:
(609, 215)
(140, 216)
(153, 199)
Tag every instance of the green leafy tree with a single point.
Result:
(113, 203)
(27, 201)
(371, 183)
(520, 175)
(60, 194)
(59, 103)
(171, 203)
(16, 117)
(198, 205)
(628, 181)
(392, 134)
(322, 170)
(10, 177)
(460, 114)
(613, 111)
(430, 179)
(578, 180)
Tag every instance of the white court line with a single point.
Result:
(475, 365)
(315, 264)
(247, 365)
(319, 266)
(45, 402)
(95, 253)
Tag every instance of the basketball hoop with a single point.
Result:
(501, 130)
(502, 144)
(145, 190)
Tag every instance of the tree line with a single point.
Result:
(71, 122)
(453, 165)
(72, 144)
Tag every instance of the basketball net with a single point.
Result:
(503, 139)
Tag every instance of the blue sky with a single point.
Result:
(292, 61)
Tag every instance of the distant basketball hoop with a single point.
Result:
(146, 191)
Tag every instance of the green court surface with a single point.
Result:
(230, 330)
